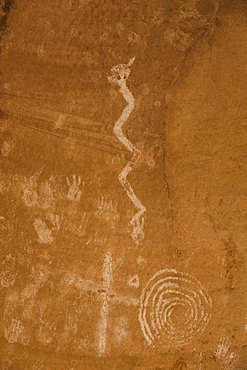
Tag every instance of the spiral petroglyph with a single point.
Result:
(174, 308)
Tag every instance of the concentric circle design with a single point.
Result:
(174, 308)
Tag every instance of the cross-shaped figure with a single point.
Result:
(108, 296)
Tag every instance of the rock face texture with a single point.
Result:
(123, 184)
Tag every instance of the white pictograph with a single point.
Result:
(38, 365)
(108, 279)
(56, 221)
(8, 271)
(83, 224)
(108, 296)
(47, 332)
(44, 233)
(121, 329)
(13, 330)
(222, 348)
(39, 194)
(134, 281)
(224, 355)
(74, 192)
(119, 74)
(174, 308)
(107, 210)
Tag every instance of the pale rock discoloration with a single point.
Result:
(141, 260)
(100, 237)
(6, 148)
(71, 322)
(60, 121)
(35, 194)
(121, 329)
(44, 233)
(20, 310)
(47, 332)
(8, 271)
(38, 365)
(179, 32)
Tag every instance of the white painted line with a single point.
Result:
(119, 74)
(167, 293)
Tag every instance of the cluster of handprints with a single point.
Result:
(60, 206)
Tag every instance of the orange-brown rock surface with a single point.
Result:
(123, 184)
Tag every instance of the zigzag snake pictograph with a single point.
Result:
(119, 75)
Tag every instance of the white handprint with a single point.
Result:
(82, 227)
(137, 224)
(40, 195)
(107, 210)
(44, 233)
(74, 192)
(13, 331)
(56, 221)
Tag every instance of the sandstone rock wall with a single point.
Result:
(123, 184)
